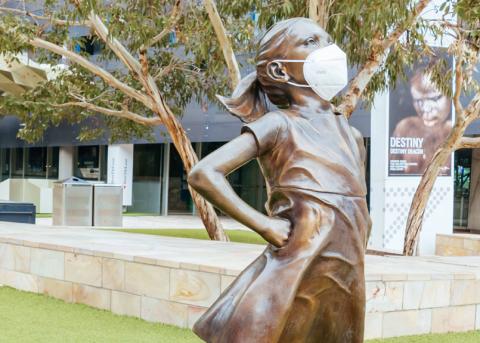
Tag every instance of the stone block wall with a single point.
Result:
(178, 293)
(415, 307)
(147, 289)
(458, 245)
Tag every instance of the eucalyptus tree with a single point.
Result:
(382, 39)
(160, 75)
(465, 48)
(158, 56)
(368, 31)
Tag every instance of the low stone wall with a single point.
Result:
(405, 296)
(414, 307)
(458, 245)
(164, 292)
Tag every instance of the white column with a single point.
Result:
(391, 196)
(378, 169)
(65, 162)
(120, 169)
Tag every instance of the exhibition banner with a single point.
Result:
(419, 122)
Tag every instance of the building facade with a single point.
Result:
(155, 181)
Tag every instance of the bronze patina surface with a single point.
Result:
(308, 285)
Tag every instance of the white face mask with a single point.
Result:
(325, 71)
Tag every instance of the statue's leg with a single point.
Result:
(329, 305)
(262, 312)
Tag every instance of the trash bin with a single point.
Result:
(17, 212)
(107, 205)
(72, 202)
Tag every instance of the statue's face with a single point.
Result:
(429, 103)
(304, 38)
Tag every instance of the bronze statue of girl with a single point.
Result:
(308, 285)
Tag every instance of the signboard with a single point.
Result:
(420, 120)
(120, 169)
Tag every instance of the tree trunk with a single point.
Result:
(424, 189)
(189, 158)
(318, 11)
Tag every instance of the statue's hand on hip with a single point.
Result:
(277, 231)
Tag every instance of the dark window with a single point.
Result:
(247, 181)
(462, 176)
(17, 162)
(179, 199)
(147, 161)
(52, 162)
(147, 172)
(87, 166)
(5, 164)
(36, 162)
(89, 44)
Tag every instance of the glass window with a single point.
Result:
(249, 184)
(36, 162)
(179, 198)
(147, 161)
(248, 181)
(17, 162)
(89, 44)
(88, 162)
(367, 142)
(147, 167)
(103, 151)
(462, 177)
(4, 164)
(53, 154)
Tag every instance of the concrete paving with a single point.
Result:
(164, 222)
(232, 256)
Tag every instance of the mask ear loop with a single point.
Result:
(291, 82)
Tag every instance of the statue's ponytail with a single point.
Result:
(248, 101)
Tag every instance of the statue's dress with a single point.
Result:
(312, 289)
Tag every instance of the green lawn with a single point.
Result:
(464, 337)
(43, 215)
(140, 214)
(27, 317)
(239, 236)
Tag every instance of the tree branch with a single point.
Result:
(120, 51)
(459, 114)
(175, 16)
(378, 53)
(45, 18)
(125, 114)
(157, 103)
(225, 43)
(472, 112)
(94, 69)
(468, 143)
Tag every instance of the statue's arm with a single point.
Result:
(208, 178)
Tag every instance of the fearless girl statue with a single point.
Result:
(308, 285)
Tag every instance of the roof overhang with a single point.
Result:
(19, 73)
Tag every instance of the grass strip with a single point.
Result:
(29, 317)
(239, 236)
